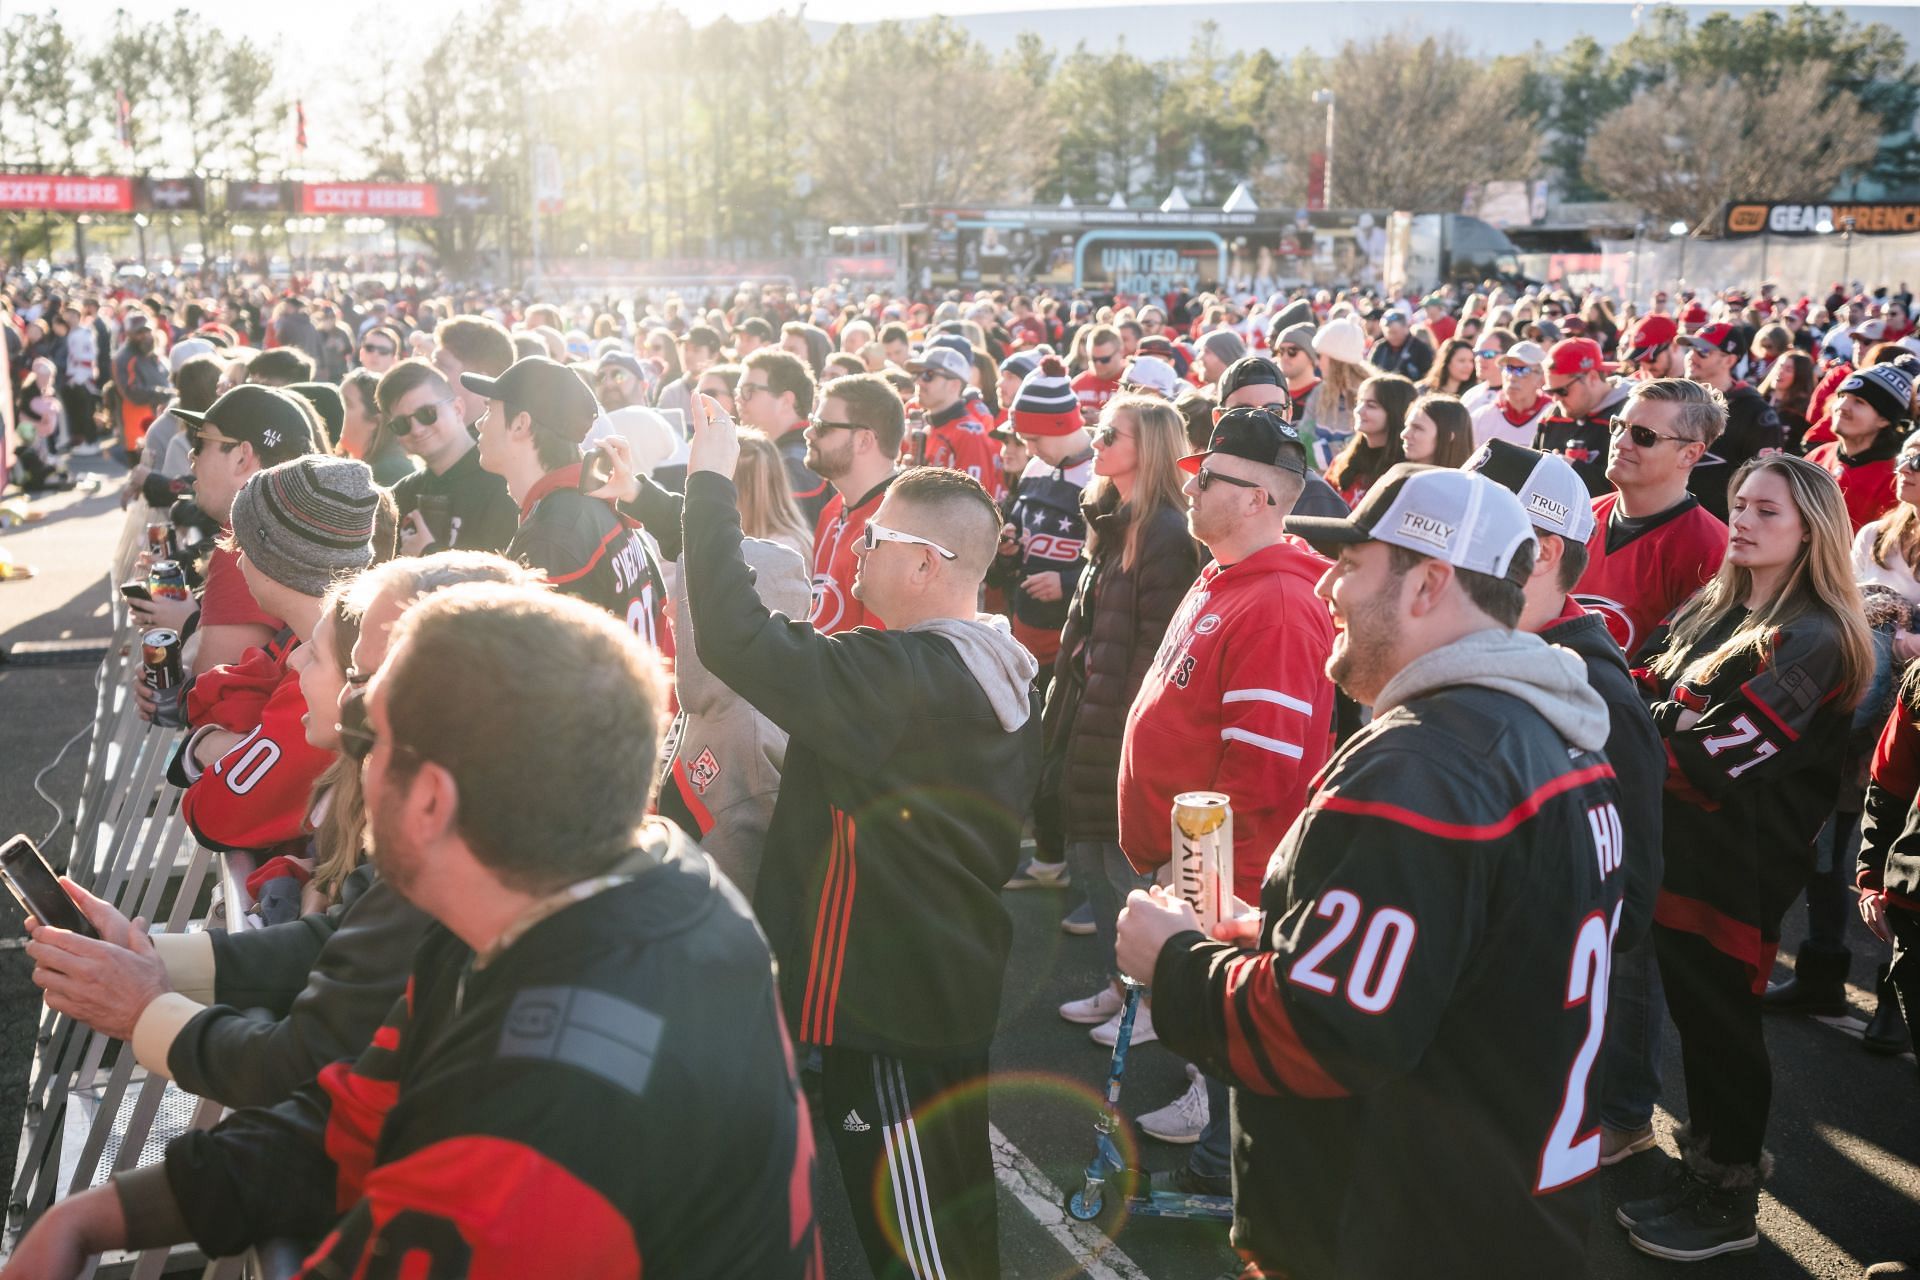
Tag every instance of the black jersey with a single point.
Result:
(466, 508)
(587, 549)
(612, 1095)
(1410, 1046)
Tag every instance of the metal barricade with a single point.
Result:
(91, 1110)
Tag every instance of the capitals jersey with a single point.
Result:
(841, 527)
(1635, 579)
(589, 551)
(1052, 538)
(1417, 1031)
(1237, 701)
(957, 439)
(612, 1095)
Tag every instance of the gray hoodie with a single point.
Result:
(1548, 678)
(1000, 663)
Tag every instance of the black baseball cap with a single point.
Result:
(557, 397)
(1256, 434)
(325, 399)
(1253, 371)
(758, 328)
(278, 424)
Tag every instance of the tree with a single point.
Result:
(1104, 109)
(1683, 149)
(979, 135)
(131, 67)
(1579, 86)
(1418, 123)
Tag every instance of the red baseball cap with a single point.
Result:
(1575, 355)
(1650, 333)
(1694, 314)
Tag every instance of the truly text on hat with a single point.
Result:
(1552, 493)
(1460, 517)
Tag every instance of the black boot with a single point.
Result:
(1721, 1216)
(1818, 985)
(1887, 1031)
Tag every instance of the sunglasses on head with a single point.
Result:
(1644, 437)
(876, 534)
(424, 416)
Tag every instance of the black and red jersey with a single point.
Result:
(834, 564)
(611, 1096)
(1584, 442)
(1639, 571)
(1749, 783)
(1426, 1002)
(586, 549)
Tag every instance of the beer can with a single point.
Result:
(1203, 854)
(159, 537)
(168, 581)
(160, 658)
(160, 666)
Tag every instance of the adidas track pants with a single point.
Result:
(911, 1138)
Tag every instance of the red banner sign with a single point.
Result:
(66, 194)
(374, 199)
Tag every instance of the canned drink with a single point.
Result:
(168, 581)
(160, 538)
(160, 666)
(1203, 854)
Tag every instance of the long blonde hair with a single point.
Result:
(1159, 442)
(1820, 581)
(1340, 386)
(767, 508)
(340, 837)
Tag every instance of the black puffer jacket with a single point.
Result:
(1114, 625)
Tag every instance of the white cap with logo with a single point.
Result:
(1457, 516)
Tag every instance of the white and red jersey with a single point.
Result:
(1093, 392)
(1499, 420)
(1237, 701)
(1635, 579)
(840, 528)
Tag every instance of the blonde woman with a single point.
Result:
(1341, 345)
(1141, 561)
(767, 508)
(1753, 687)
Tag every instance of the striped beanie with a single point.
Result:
(1887, 387)
(308, 521)
(1045, 405)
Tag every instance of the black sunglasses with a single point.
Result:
(822, 424)
(373, 350)
(1909, 462)
(201, 440)
(356, 731)
(424, 416)
(1645, 437)
(1204, 477)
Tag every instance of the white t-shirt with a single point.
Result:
(1895, 575)
(1490, 422)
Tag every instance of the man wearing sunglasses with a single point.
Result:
(1254, 382)
(958, 420)
(1237, 701)
(451, 502)
(1106, 358)
(240, 434)
(775, 394)
(1648, 348)
(909, 770)
(1585, 401)
(538, 412)
(1655, 543)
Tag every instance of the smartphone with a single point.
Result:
(137, 591)
(595, 470)
(38, 889)
(436, 512)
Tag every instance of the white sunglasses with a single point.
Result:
(877, 533)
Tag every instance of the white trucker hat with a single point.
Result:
(1457, 516)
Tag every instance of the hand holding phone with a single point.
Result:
(39, 891)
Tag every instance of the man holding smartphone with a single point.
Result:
(452, 502)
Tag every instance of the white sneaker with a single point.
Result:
(1143, 1033)
(1182, 1119)
(1096, 1008)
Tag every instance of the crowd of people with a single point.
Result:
(633, 715)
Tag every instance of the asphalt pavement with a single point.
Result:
(1845, 1128)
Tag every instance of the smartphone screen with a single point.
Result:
(136, 591)
(38, 889)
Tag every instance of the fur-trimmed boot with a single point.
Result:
(1721, 1215)
(1679, 1186)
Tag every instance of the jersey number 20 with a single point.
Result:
(1570, 1155)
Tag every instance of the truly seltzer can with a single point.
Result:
(1203, 854)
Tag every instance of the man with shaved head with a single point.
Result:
(911, 764)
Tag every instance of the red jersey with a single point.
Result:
(227, 601)
(1866, 481)
(1820, 428)
(256, 795)
(1634, 580)
(1093, 392)
(1237, 701)
(959, 442)
(840, 528)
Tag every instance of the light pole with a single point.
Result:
(1846, 250)
(140, 222)
(1639, 234)
(1325, 96)
(1679, 229)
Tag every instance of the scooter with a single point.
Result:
(1134, 1185)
